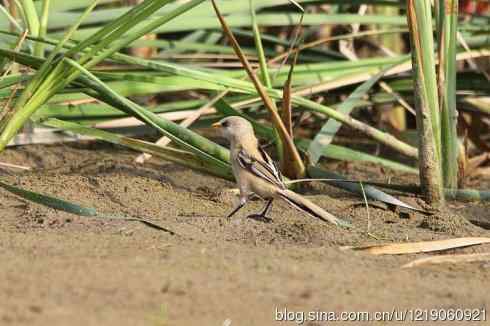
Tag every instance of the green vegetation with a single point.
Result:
(304, 79)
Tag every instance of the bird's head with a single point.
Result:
(235, 128)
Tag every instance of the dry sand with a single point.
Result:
(61, 269)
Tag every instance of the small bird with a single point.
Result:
(255, 172)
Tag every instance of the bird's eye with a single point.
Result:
(225, 124)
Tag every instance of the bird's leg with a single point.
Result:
(262, 215)
(266, 208)
(243, 201)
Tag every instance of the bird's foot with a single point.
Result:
(260, 217)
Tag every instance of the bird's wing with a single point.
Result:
(272, 164)
(263, 167)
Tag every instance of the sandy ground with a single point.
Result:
(61, 269)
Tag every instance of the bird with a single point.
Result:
(256, 173)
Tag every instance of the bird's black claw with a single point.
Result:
(260, 218)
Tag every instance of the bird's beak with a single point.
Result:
(216, 125)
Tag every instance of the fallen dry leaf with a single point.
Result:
(417, 247)
(449, 259)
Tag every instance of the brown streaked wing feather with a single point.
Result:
(260, 168)
(271, 164)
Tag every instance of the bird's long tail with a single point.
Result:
(303, 204)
